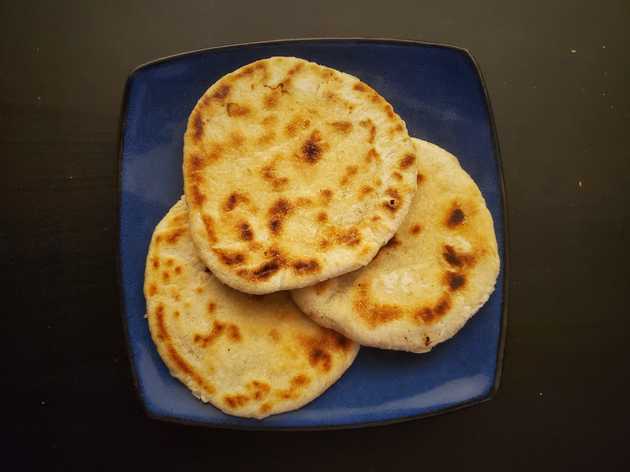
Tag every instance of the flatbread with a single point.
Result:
(294, 173)
(249, 356)
(437, 271)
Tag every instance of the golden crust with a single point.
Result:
(430, 278)
(249, 356)
(288, 150)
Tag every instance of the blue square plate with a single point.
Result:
(439, 92)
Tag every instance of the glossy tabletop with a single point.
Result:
(557, 76)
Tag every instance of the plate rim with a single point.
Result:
(122, 126)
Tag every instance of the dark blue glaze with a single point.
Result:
(439, 93)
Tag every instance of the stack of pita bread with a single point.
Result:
(311, 223)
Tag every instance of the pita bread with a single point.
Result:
(437, 271)
(294, 173)
(249, 356)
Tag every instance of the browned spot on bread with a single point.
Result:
(266, 138)
(326, 195)
(209, 225)
(266, 270)
(176, 314)
(162, 334)
(273, 252)
(325, 244)
(166, 276)
(269, 120)
(339, 341)
(273, 333)
(349, 237)
(424, 315)
(297, 383)
(303, 202)
(376, 218)
(395, 130)
(236, 401)
(407, 161)
(431, 314)
(197, 126)
(300, 380)
(343, 127)
(306, 266)
(322, 217)
(229, 257)
(394, 202)
(454, 280)
(277, 213)
(271, 100)
(196, 164)
(215, 332)
(234, 333)
(455, 217)
(236, 110)
(359, 87)
(249, 70)
(442, 306)
(223, 92)
(237, 139)
(372, 156)
(332, 96)
(295, 69)
(158, 238)
(173, 355)
(372, 313)
(199, 290)
(211, 307)
(419, 178)
(415, 229)
(427, 341)
(246, 232)
(255, 246)
(321, 287)
(268, 173)
(365, 190)
(318, 357)
(155, 262)
(351, 171)
(313, 148)
(258, 389)
(319, 349)
(265, 408)
(197, 196)
(175, 294)
(152, 290)
(233, 201)
(170, 261)
(179, 219)
(397, 175)
(214, 151)
(389, 111)
(456, 259)
(369, 125)
(178, 270)
(174, 235)
(297, 124)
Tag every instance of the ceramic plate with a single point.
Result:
(439, 93)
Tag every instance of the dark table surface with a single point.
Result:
(558, 77)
